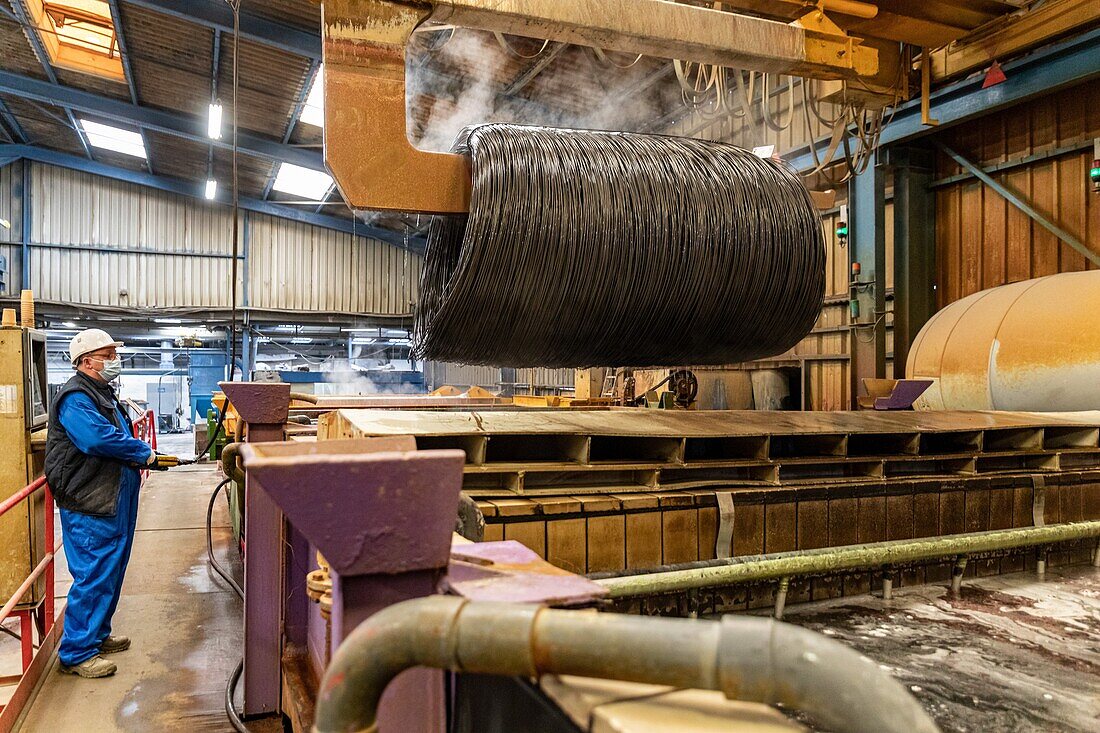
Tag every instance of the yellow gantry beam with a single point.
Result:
(366, 144)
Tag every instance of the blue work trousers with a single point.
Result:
(97, 550)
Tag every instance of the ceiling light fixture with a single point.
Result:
(211, 188)
(214, 123)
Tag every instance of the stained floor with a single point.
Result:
(184, 622)
(1011, 653)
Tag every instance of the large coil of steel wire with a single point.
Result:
(616, 249)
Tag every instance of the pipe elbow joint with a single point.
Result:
(773, 662)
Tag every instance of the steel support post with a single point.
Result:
(385, 529)
(867, 200)
(264, 408)
(25, 213)
(914, 248)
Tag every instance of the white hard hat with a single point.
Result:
(88, 341)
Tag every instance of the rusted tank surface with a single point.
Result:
(1029, 346)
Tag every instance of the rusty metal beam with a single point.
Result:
(1010, 36)
(365, 43)
(670, 30)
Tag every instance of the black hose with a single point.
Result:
(231, 687)
(586, 248)
(233, 584)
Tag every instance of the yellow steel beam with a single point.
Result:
(364, 41)
(1013, 35)
(668, 30)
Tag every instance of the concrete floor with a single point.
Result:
(184, 622)
(1013, 653)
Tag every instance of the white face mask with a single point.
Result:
(111, 369)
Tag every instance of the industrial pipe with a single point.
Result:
(755, 568)
(1028, 346)
(746, 658)
(303, 397)
(231, 465)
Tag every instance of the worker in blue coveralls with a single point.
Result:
(93, 467)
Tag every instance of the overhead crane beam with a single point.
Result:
(365, 44)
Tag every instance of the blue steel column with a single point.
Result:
(25, 212)
(914, 248)
(867, 201)
(248, 353)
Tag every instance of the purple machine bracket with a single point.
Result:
(264, 406)
(382, 514)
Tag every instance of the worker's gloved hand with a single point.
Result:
(162, 462)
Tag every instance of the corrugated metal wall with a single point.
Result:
(295, 266)
(438, 374)
(529, 381)
(544, 381)
(982, 240)
(152, 249)
(10, 211)
(101, 242)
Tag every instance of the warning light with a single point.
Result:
(1094, 172)
(842, 227)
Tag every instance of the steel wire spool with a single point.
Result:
(617, 249)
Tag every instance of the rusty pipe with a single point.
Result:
(755, 568)
(303, 397)
(746, 658)
(231, 463)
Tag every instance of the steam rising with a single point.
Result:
(464, 78)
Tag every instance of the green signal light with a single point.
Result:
(1094, 173)
(842, 231)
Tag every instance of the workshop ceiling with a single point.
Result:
(180, 57)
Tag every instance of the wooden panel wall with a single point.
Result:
(983, 241)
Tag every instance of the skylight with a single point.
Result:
(78, 35)
(114, 138)
(304, 182)
(313, 111)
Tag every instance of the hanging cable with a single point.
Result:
(509, 48)
(236, 7)
(774, 123)
(231, 685)
(600, 54)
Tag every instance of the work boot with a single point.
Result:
(114, 645)
(91, 668)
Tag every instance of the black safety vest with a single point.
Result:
(81, 482)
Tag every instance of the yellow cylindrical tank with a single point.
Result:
(1029, 346)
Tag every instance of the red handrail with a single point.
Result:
(46, 564)
(34, 664)
(22, 494)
